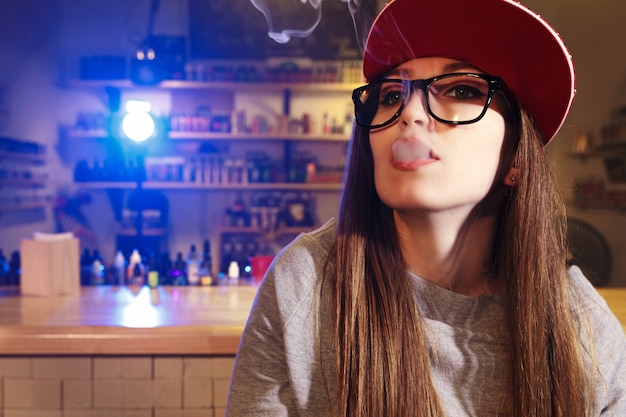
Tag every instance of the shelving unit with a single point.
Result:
(227, 94)
(257, 137)
(21, 156)
(268, 240)
(268, 87)
(213, 136)
(224, 187)
(145, 232)
(23, 176)
(4, 208)
(593, 194)
(284, 90)
(613, 149)
(601, 205)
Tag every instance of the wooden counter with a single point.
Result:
(139, 321)
(108, 320)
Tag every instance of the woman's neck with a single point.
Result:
(451, 250)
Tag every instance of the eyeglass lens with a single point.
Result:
(451, 98)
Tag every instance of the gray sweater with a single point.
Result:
(278, 371)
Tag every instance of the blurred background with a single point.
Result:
(71, 68)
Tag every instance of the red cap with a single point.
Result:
(501, 37)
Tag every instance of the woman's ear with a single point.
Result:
(511, 178)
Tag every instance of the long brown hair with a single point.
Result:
(383, 364)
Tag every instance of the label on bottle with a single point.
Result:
(193, 273)
(206, 280)
(153, 279)
(233, 270)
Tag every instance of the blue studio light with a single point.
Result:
(138, 124)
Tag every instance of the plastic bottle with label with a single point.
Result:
(233, 273)
(178, 275)
(4, 269)
(153, 271)
(136, 270)
(206, 266)
(119, 265)
(193, 266)
(97, 269)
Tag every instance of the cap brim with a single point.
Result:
(501, 37)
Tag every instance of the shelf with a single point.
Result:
(23, 206)
(200, 85)
(76, 133)
(106, 185)
(613, 149)
(218, 136)
(32, 157)
(265, 136)
(259, 230)
(253, 186)
(144, 232)
(301, 186)
(231, 97)
(600, 205)
(22, 183)
(259, 86)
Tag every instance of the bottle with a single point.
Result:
(15, 268)
(153, 271)
(238, 215)
(135, 271)
(193, 266)
(119, 265)
(233, 272)
(4, 269)
(250, 251)
(85, 267)
(348, 118)
(97, 269)
(206, 266)
(227, 256)
(165, 268)
(178, 271)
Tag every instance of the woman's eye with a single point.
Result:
(391, 98)
(464, 92)
(391, 95)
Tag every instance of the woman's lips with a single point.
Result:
(411, 154)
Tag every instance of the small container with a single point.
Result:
(259, 265)
(233, 271)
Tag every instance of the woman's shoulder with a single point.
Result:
(586, 297)
(603, 339)
(318, 240)
(594, 313)
(297, 269)
(307, 250)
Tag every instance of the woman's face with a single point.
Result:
(422, 164)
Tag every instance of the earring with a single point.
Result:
(511, 177)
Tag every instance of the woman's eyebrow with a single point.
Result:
(395, 73)
(451, 67)
(456, 66)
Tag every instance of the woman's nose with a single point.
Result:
(416, 109)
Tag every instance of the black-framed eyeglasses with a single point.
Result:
(456, 98)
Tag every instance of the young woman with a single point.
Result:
(442, 288)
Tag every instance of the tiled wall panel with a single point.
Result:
(114, 386)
